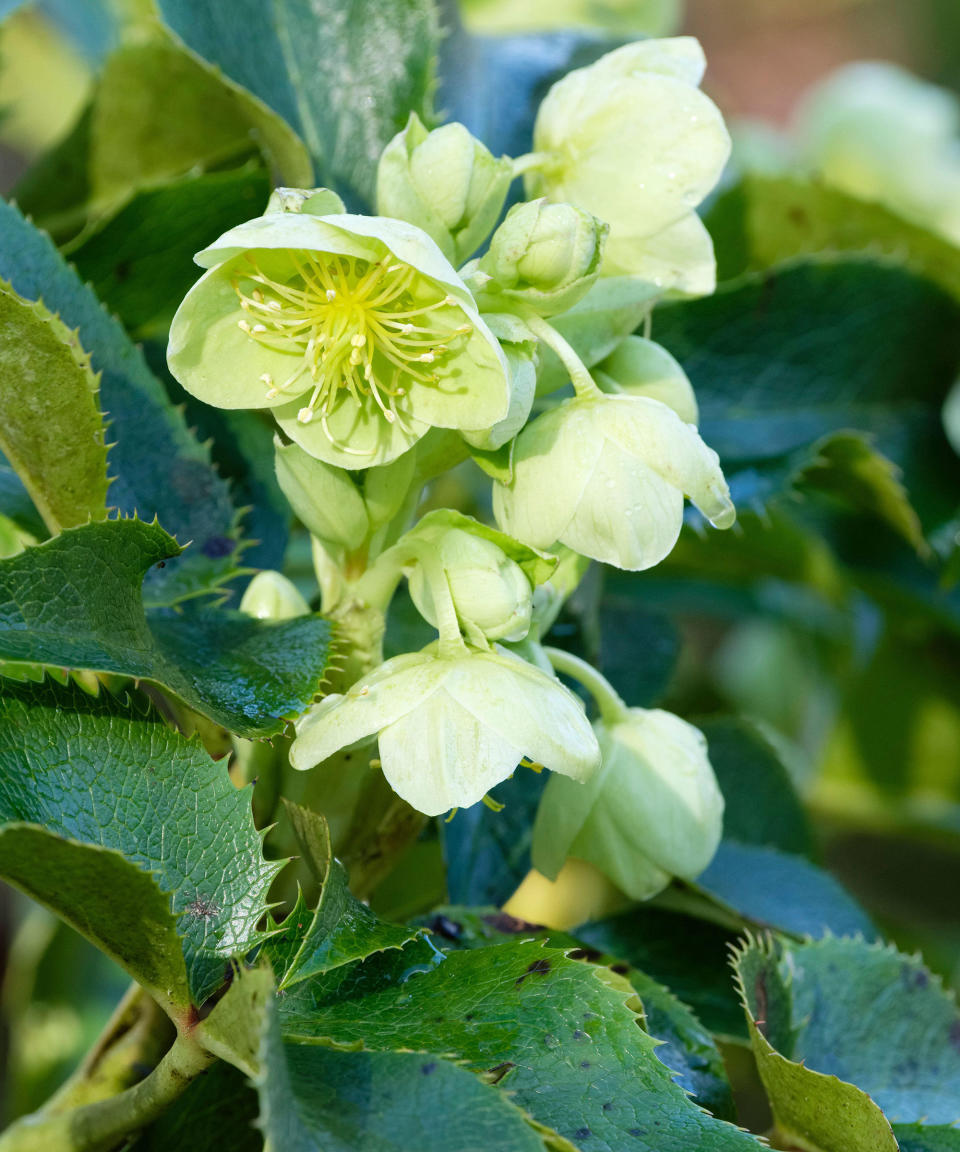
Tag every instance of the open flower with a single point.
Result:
(354, 330)
(652, 812)
(452, 727)
(633, 140)
(606, 475)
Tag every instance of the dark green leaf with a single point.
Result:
(218, 1110)
(687, 1048)
(927, 1137)
(315, 1100)
(139, 261)
(687, 955)
(761, 803)
(132, 834)
(342, 929)
(51, 427)
(783, 360)
(377, 66)
(75, 602)
(775, 889)
(551, 1029)
(159, 468)
(487, 853)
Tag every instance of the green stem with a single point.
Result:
(583, 382)
(99, 1126)
(612, 708)
(531, 161)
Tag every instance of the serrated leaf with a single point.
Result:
(766, 220)
(139, 260)
(75, 602)
(547, 1028)
(842, 1029)
(51, 427)
(848, 468)
(687, 955)
(770, 888)
(783, 359)
(687, 1048)
(317, 1100)
(132, 834)
(378, 61)
(159, 467)
(342, 929)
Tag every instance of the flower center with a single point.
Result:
(366, 327)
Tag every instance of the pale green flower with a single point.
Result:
(606, 476)
(634, 141)
(452, 727)
(654, 810)
(543, 258)
(446, 182)
(639, 367)
(354, 330)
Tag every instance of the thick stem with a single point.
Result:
(583, 383)
(612, 707)
(99, 1126)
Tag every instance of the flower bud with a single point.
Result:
(639, 367)
(652, 812)
(313, 201)
(488, 588)
(544, 255)
(323, 497)
(446, 182)
(606, 475)
(271, 596)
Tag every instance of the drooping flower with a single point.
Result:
(606, 476)
(633, 140)
(452, 727)
(354, 330)
(652, 812)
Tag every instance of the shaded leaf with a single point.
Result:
(218, 1110)
(159, 468)
(835, 1020)
(782, 360)
(51, 428)
(132, 834)
(75, 602)
(770, 888)
(378, 61)
(550, 1029)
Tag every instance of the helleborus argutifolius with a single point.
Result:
(521, 349)
(354, 330)
(654, 810)
(543, 258)
(452, 727)
(446, 182)
(639, 367)
(271, 596)
(606, 476)
(633, 140)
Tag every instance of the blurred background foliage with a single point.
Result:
(830, 620)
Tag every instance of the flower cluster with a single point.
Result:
(388, 348)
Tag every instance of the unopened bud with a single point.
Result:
(271, 596)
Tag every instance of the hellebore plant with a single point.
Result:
(384, 365)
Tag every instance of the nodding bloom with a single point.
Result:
(354, 330)
(452, 727)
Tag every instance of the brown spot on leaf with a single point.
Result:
(496, 1074)
(504, 922)
(537, 968)
(203, 908)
